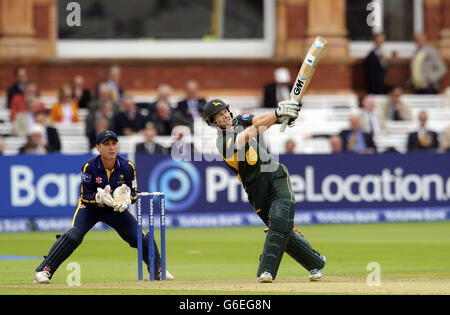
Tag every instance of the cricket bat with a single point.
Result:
(306, 72)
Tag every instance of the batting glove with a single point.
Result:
(287, 110)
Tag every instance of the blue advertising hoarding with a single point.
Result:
(327, 188)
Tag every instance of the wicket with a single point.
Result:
(151, 233)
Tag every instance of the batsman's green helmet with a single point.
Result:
(212, 108)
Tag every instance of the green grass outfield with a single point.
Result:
(414, 258)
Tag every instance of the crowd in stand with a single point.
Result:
(110, 107)
(426, 72)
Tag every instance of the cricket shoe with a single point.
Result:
(265, 277)
(42, 277)
(169, 276)
(316, 274)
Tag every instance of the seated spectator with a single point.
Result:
(104, 110)
(278, 91)
(427, 68)
(192, 106)
(113, 83)
(150, 146)
(375, 67)
(36, 143)
(19, 101)
(289, 147)
(423, 139)
(394, 108)
(101, 123)
(355, 140)
(370, 120)
(444, 145)
(29, 148)
(79, 93)
(336, 144)
(183, 146)
(162, 118)
(50, 134)
(164, 93)
(65, 111)
(103, 95)
(2, 145)
(19, 86)
(129, 120)
(24, 121)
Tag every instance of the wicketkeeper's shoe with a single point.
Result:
(42, 277)
(316, 274)
(265, 277)
(168, 275)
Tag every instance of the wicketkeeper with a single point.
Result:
(266, 182)
(108, 188)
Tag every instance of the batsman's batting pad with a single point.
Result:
(281, 222)
(61, 249)
(299, 248)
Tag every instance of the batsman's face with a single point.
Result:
(223, 118)
(108, 149)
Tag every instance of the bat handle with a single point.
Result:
(283, 125)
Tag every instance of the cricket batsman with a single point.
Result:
(108, 187)
(266, 183)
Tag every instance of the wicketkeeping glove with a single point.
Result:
(288, 110)
(103, 196)
(121, 196)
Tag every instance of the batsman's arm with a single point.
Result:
(259, 124)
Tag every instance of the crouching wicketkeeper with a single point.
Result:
(108, 187)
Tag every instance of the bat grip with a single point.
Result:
(283, 125)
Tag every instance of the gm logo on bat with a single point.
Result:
(299, 84)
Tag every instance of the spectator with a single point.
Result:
(2, 145)
(370, 120)
(164, 93)
(376, 67)
(163, 119)
(423, 139)
(289, 147)
(65, 111)
(427, 67)
(79, 92)
(50, 134)
(103, 96)
(19, 86)
(29, 148)
(129, 120)
(150, 146)
(182, 147)
(355, 140)
(101, 123)
(444, 145)
(19, 101)
(394, 108)
(113, 83)
(192, 106)
(336, 144)
(278, 91)
(24, 121)
(105, 110)
(36, 143)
